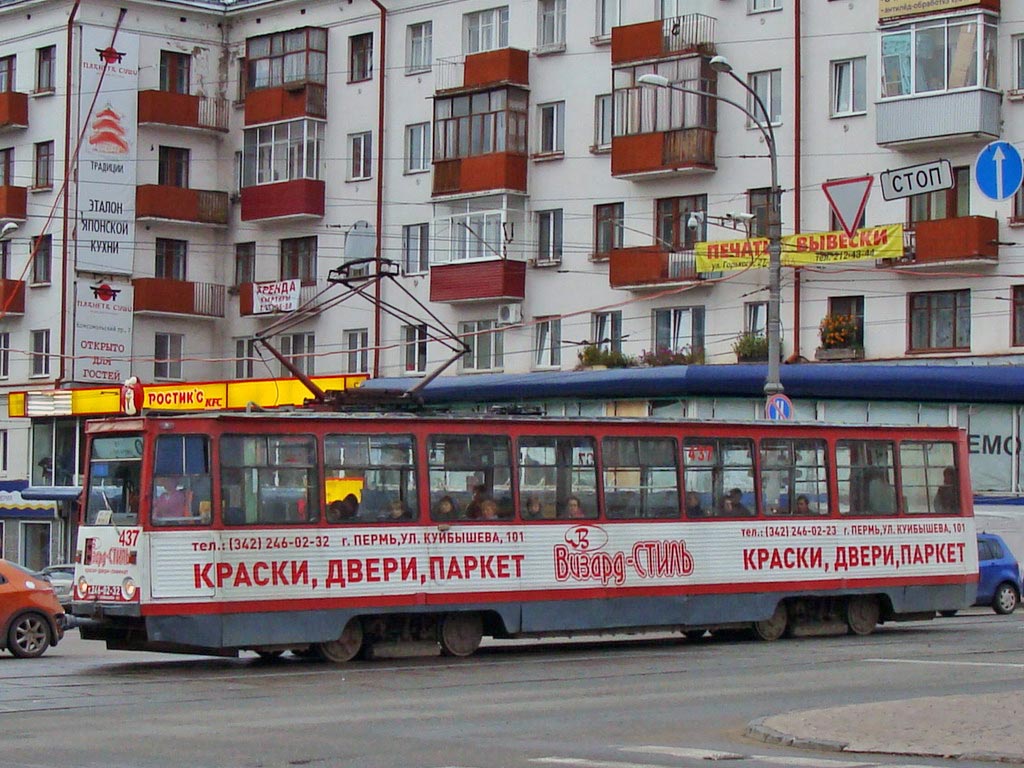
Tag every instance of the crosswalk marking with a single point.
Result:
(588, 763)
(693, 753)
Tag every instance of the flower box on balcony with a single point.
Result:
(838, 353)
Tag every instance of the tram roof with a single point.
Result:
(832, 381)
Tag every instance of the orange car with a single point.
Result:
(31, 619)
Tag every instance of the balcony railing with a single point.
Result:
(959, 240)
(13, 203)
(12, 297)
(478, 70)
(938, 117)
(675, 36)
(200, 206)
(269, 105)
(298, 198)
(13, 110)
(466, 281)
(650, 267)
(159, 295)
(657, 154)
(183, 110)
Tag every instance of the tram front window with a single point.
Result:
(115, 465)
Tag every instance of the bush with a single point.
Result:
(665, 356)
(751, 346)
(592, 355)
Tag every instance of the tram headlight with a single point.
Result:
(128, 588)
(83, 587)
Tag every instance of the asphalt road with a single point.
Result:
(618, 703)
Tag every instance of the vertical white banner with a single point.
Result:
(106, 160)
(104, 315)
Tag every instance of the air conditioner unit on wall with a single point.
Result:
(509, 314)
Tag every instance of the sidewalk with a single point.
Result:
(981, 727)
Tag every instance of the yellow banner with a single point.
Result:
(894, 9)
(885, 242)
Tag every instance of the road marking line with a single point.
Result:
(587, 763)
(695, 754)
(815, 762)
(948, 663)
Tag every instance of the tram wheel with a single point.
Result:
(774, 627)
(862, 613)
(694, 634)
(461, 633)
(346, 647)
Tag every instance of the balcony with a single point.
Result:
(12, 297)
(496, 172)
(246, 304)
(13, 110)
(494, 280)
(296, 199)
(272, 105)
(653, 155)
(159, 296)
(199, 206)
(938, 118)
(13, 203)
(668, 38)
(202, 113)
(505, 66)
(649, 267)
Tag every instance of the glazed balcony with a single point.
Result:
(199, 206)
(505, 66)
(160, 296)
(498, 171)
(295, 199)
(653, 155)
(246, 302)
(12, 297)
(474, 281)
(650, 267)
(272, 105)
(948, 242)
(13, 110)
(938, 118)
(13, 203)
(668, 38)
(181, 110)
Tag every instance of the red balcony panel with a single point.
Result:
(636, 41)
(495, 280)
(481, 173)
(13, 110)
(156, 201)
(649, 266)
(672, 37)
(655, 154)
(184, 110)
(178, 297)
(270, 105)
(297, 198)
(966, 238)
(13, 203)
(505, 65)
(12, 297)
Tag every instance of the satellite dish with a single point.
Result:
(360, 241)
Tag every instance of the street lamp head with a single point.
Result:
(652, 79)
(720, 64)
(8, 229)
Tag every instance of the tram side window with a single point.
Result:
(370, 478)
(641, 477)
(866, 476)
(182, 491)
(720, 472)
(794, 479)
(553, 471)
(928, 478)
(470, 477)
(268, 479)
(115, 470)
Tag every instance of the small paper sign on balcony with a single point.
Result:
(275, 297)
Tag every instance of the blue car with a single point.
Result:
(999, 583)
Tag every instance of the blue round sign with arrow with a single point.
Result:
(999, 170)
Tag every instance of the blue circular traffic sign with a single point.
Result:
(999, 170)
(778, 408)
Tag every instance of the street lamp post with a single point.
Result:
(773, 382)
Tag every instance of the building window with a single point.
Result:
(357, 344)
(603, 121)
(550, 24)
(608, 221)
(172, 170)
(419, 47)
(360, 57)
(607, 16)
(414, 344)
(757, 204)
(7, 73)
(7, 167)
(493, 121)
(298, 348)
(1018, 61)
(360, 152)
(296, 56)
(415, 248)
(46, 64)
(5, 355)
(552, 127)
(1018, 207)
(40, 341)
(606, 330)
(42, 259)
(1018, 315)
(756, 6)
(549, 236)
(674, 230)
(485, 30)
(171, 258)
(417, 148)
(245, 263)
(282, 152)
(476, 236)
(44, 165)
(3, 466)
(940, 321)
(175, 72)
(942, 54)
(486, 346)
(167, 354)
(850, 306)
(642, 110)
(768, 86)
(849, 89)
(548, 343)
(755, 318)
(243, 81)
(680, 329)
(245, 358)
(5, 259)
(298, 259)
(945, 203)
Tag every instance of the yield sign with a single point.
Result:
(848, 198)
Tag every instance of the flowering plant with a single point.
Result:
(837, 331)
(750, 347)
(592, 355)
(665, 356)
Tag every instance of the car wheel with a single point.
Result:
(29, 636)
(1006, 599)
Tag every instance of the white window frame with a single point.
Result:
(607, 15)
(417, 148)
(550, 25)
(547, 344)
(357, 350)
(486, 345)
(1018, 62)
(755, 318)
(414, 349)
(551, 128)
(477, 236)
(360, 146)
(768, 85)
(168, 350)
(415, 248)
(485, 30)
(763, 6)
(845, 104)
(603, 122)
(39, 341)
(549, 236)
(606, 330)
(282, 152)
(419, 45)
(299, 348)
(245, 358)
(686, 329)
